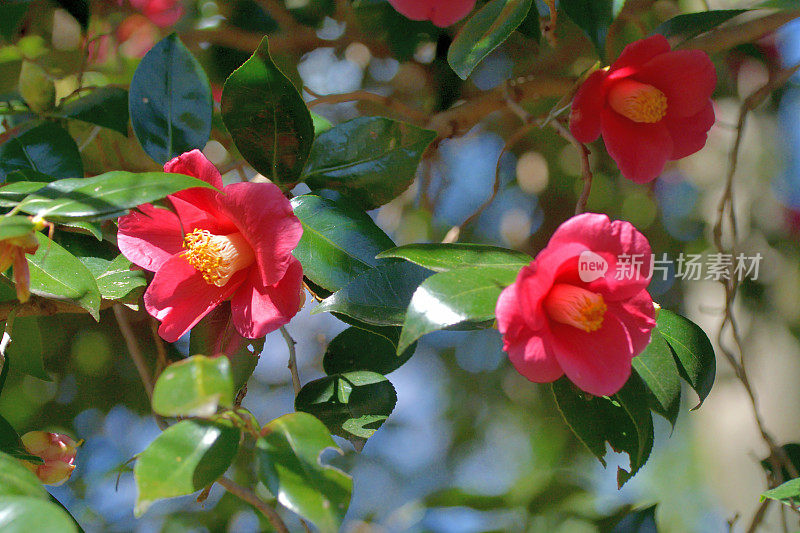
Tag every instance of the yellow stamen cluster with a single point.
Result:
(575, 306)
(217, 257)
(639, 102)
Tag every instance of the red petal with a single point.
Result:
(584, 118)
(686, 77)
(638, 53)
(258, 309)
(264, 216)
(194, 163)
(638, 316)
(534, 359)
(150, 236)
(179, 297)
(598, 362)
(640, 150)
(689, 134)
(442, 13)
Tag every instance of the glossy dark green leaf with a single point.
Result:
(339, 241)
(105, 196)
(635, 521)
(16, 480)
(659, 372)
(624, 421)
(372, 160)
(11, 444)
(216, 334)
(267, 118)
(15, 226)
(531, 26)
(352, 405)
(196, 386)
(185, 458)
(21, 514)
(26, 348)
(443, 257)
(46, 148)
(788, 493)
(454, 297)
(693, 24)
(59, 275)
(485, 31)
(593, 17)
(106, 107)
(379, 296)
(361, 349)
(289, 465)
(115, 279)
(170, 101)
(693, 351)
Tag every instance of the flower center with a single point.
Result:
(217, 257)
(575, 307)
(639, 102)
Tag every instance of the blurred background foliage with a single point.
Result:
(471, 446)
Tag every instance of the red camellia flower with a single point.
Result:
(58, 453)
(234, 242)
(442, 13)
(652, 106)
(581, 308)
(162, 13)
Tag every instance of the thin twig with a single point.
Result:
(249, 496)
(133, 349)
(277, 10)
(290, 343)
(161, 350)
(586, 169)
(414, 115)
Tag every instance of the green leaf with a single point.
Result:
(11, 13)
(20, 514)
(372, 160)
(170, 101)
(59, 275)
(449, 298)
(624, 421)
(593, 17)
(289, 465)
(637, 521)
(379, 296)
(15, 226)
(351, 405)
(105, 196)
(46, 148)
(196, 386)
(693, 24)
(443, 257)
(186, 458)
(484, 32)
(115, 279)
(25, 350)
(339, 241)
(267, 118)
(321, 124)
(361, 349)
(11, 444)
(531, 27)
(693, 351)
(106, 107)
(16, 480)
(788, 493)
(659, 372)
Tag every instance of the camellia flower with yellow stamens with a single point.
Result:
(231, 242)
(581, 308)
(652, 105)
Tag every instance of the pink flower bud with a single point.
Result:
(58, 453)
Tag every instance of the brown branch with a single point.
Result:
(414, 115)
(248, 496)
(277, 10)
(133, 349)
(729, 36)
(290, 343)
(586, 169)
(39, 306)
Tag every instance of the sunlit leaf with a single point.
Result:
(196, 386)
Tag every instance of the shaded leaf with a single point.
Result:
(15, 226)
(196, 386)
(659, 372)
(593, 17)
(25, 350)
(46, 148)
(372, 349)
(353, 404)
(16, 480)
(106, 107)
(693, 351)
(693, 24)
(370, 159)
(11, 444)
(170, 101)
(289, 465)
(267, 118)
(185, 458)
(483, 32)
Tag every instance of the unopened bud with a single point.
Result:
(58, 453)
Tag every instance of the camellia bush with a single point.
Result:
(228, 225)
